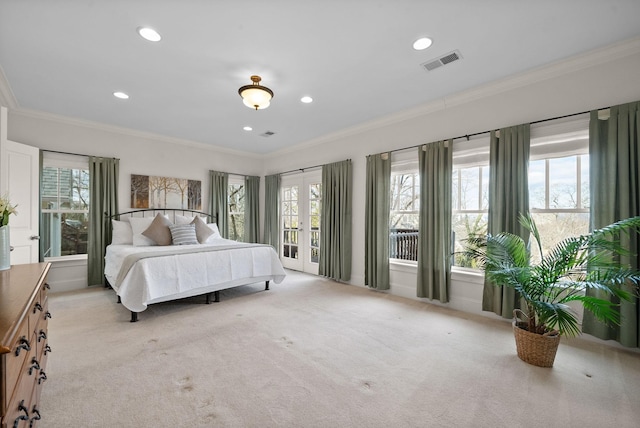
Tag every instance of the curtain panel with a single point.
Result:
(218, 200)
(103, 202)
(271, 233)
(251, 209)
(434, 231)
(614, 160)
(508, 198)
(377, 206)
(335, 223)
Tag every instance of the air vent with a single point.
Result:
(443, 60)
(267, 134)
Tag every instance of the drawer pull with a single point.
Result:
(35, 365)
(42, 377)
(24, 344)
(42, 335)
(37, 307)
(47, 349)
(37, 416)
(24, 417)
(47, 315)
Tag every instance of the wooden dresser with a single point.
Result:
(24, 349)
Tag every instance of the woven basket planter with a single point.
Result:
(535, 348)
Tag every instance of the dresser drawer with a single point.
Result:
(15, 360)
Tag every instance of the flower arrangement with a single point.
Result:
(6, 209)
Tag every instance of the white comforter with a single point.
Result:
(159, 279)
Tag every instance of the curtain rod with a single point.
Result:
(467, 136)
(303, 169)
(235, 173)
(74, 154)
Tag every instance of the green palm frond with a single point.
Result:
(565, 273)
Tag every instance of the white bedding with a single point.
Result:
(163, 278)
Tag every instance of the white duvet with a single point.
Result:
(163, 278)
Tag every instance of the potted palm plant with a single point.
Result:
(562, 275)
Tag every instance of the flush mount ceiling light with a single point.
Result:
(149, 34)
(255, 95)
(121, 95)
(306, 99)
(422, 43)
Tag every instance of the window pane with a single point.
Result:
(469, 189)
(563, 191)
(485, 188)
(465, 225)
(64, 234)
(315, 255)
(554, 227)
(537, 184)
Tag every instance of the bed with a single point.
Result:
(159, 255)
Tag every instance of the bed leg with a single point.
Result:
(216, 296)
(119, 300)
(209, 298)
(266, 285)
(134, 316)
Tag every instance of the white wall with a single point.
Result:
(599, 79)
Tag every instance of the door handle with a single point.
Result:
(34, 237)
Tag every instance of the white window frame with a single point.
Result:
(69, 161)
(236, 181)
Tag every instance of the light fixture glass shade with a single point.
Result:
(256, 96)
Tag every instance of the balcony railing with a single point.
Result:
(403, 244)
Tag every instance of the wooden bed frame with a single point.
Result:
(171, 213)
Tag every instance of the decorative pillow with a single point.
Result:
(121, 233)
(139, 225)
(202, 230)
(159, 231)
(216, 233)
(183, 234)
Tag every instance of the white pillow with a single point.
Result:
(183, 219)
(216, 233)
(121, 233)
(139, 225)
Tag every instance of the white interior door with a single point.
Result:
(300, 221)
(19, 179)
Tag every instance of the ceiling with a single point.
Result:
(354, 57)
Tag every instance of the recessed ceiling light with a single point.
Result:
(248, 128)
(306, 99)
(422, 43)
(149, 34)
(121, 95)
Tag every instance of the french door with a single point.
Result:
(300, 221)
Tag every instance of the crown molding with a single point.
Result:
(97, 126)
(7, 98)
(556, 69)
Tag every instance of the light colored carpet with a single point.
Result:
(314, 353)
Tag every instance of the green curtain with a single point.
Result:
(251, 209)
(218, 200)
(272, 211)
(376, 224)
(434, 231)
(103, 202)
(614, 160)
(508, 198)
(335, 223)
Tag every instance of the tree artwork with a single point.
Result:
(165, 192)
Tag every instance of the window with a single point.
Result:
(405, 206)
(470, 195)
(236, 210)
(65, 205)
